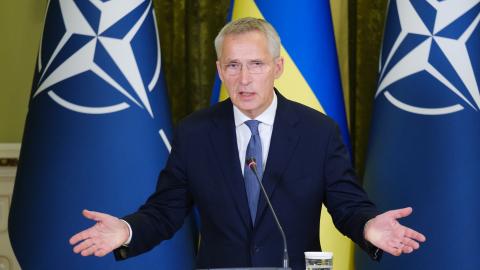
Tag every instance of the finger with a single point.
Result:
(101, 252)
(83, 245)
(97, 216)
(85, 234)
(410, 233)
(400, 213)
(89, 251)
(410, 243)
(407, 249)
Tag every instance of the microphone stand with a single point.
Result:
(252, 164)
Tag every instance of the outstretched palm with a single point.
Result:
(107, 234)
(386, 233)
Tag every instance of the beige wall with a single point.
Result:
(20, 30)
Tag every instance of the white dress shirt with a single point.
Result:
(265, 129)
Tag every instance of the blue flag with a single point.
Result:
(96, 134)
(424, 147)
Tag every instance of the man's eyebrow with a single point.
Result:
(248, 60)
(232, 60)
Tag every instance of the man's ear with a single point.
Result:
(278, 67)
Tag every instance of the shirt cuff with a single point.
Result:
(129, 234)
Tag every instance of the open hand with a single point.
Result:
(386, 233)
(107, 234)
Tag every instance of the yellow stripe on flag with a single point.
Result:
(293, 85)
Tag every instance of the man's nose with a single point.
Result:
(245, 76)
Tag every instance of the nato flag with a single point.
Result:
(424, 147)
(96, 134)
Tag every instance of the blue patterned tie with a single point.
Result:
(254, 150)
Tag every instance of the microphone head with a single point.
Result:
(251, 163)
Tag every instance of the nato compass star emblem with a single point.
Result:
(66, 61)
(439, 41)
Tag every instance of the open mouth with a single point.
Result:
(246, 94)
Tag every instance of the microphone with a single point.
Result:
(252, 164)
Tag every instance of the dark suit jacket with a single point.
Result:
(307, 165)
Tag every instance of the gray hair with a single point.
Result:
(249, 24)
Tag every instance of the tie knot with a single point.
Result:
(253, 125)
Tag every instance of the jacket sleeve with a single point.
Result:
(345, 199)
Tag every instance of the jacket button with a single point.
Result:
(257, 249)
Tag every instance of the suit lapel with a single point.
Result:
(283, 142)
(224, 142)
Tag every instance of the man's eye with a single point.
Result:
(233, 65)
(257, 63)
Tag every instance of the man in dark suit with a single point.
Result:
(301, 161)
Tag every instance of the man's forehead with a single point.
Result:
(245, 47)
(245, 37)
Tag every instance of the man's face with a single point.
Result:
(248, 70)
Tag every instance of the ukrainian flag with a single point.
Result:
(311, 77)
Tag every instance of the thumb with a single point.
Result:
(96, 216)
(401, 213)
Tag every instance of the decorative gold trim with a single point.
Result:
(8, 162)
(9, 153)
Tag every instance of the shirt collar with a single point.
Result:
(267, 117)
